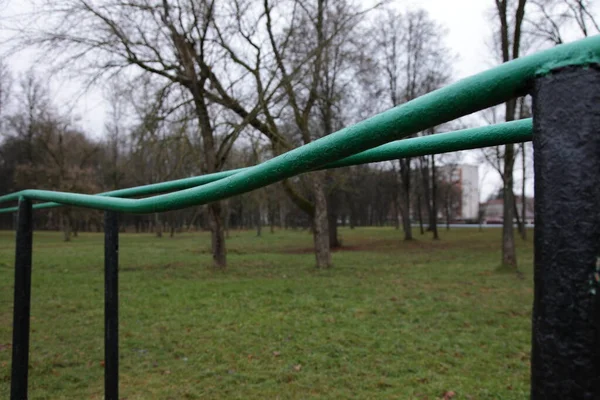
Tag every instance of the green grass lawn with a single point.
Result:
(391, 320)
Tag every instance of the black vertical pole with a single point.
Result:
(566, 311)
(111, 305)
(22, 302)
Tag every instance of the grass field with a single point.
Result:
(391, 320)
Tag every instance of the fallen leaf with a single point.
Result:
(102, 363)
(448, 395)
(297, 367)
(276, 353)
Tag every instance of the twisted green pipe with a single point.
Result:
(469, 95)
(492, 135)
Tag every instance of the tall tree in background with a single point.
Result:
(308, 23)
(296, 54)
(510, 14)
(5, 85)
(48, 152)
(116, 131)
(414, 61)
(393, 45)
(6, 166)
(171, 41)
(551, 19)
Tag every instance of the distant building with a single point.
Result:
(494, 210)
(465, 178)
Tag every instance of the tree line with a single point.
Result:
(198, 86)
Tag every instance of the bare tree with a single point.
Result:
(293, 59)
(160, 149)
(53, 154)
(414, 62)
(174, 42)
(5, 88)
(116, 134)
(394, 46)
(551, 20)
(510, 15)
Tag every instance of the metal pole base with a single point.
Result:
(566, 309)
(22, 302)
(111, 305)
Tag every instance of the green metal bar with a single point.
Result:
(511, 132)
(154, 188)
(466, 139)
(469, 95)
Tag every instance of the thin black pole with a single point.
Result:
(22, 302)
(566, 311)
(111, 305)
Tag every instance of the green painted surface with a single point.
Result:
(469, 95)
(510, 132)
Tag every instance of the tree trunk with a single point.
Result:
(434, 209)
(334, 241)
(282, 223)
(157, 225)
(320, 222)
(508, 43)
(425, 188)
(352, 207)
(447, 212)
(405, 208)
(509, 256)
(66, 227)
(396, 213)
(258, 222)
(217, 235)
(520, 223)
(523, 199)
(227, 219)
(211, 164)
(406, 223)
(420, 213)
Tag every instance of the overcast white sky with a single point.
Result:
(469, 30)
(466, 20)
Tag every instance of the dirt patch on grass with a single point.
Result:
(311, 250)
(148, 267)
(379, 246)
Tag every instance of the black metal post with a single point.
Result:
(566, 311)
(111, 305)
(22, 302)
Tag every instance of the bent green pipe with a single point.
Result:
(492, 135)
(469, 95)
